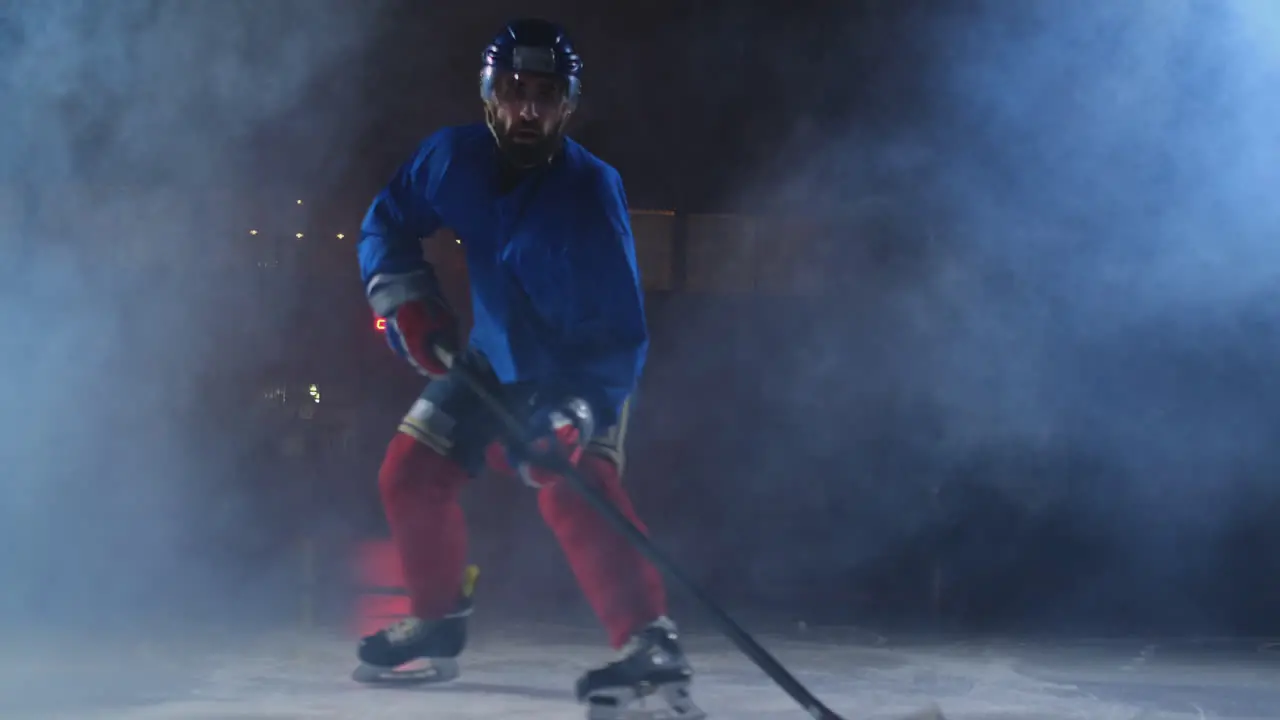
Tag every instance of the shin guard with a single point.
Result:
(420, 490)
(623, 587)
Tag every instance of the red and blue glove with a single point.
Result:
(563, 428)
(425, 333)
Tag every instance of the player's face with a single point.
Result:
(529, 108)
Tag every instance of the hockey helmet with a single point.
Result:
(532, 45)
(536, 47)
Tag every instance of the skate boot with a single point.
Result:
(414, 650)
(649, 681)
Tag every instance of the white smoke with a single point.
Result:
(137, 143)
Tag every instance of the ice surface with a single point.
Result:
(527, 673)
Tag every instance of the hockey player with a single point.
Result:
(559, 334)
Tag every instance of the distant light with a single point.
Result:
(299, 236)
(458, 240)
(314, 392)
(253, 232)
(380, 324)
(299, 202)
(340, 236)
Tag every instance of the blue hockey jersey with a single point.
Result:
(555, 290)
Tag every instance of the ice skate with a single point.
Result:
(414, 650)
(649, 681)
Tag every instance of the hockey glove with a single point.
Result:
(425, 333)
(562, 429)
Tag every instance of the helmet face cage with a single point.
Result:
(488, 81)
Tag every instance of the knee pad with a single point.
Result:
(430, 424)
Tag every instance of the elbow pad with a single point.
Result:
(388, 291)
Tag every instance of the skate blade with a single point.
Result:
(438, 670)
(667, 702)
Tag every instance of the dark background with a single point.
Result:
(1021, 378)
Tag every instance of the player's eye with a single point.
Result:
(513, 88)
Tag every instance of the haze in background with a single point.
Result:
(1071, 302)
(139, 141)
(1075, 288)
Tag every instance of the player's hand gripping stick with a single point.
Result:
(424, 332)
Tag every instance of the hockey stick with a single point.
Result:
(554, 462)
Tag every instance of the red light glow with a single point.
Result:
(380, 324)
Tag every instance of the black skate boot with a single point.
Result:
(649, 681)
(415, 650)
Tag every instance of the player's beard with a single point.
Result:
(533, 149)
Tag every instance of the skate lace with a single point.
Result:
(403, 631)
